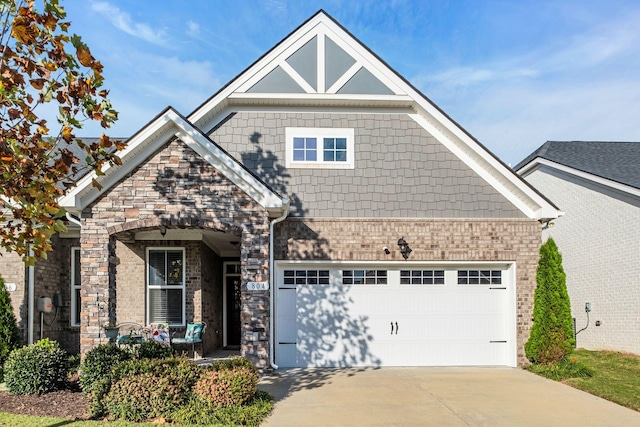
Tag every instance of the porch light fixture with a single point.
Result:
(163, 231)
(405, 250)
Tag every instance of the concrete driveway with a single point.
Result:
(433, 397)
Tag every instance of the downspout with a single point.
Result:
(285, 205)
(31, 273)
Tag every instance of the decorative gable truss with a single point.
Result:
(320, 62)
(321, 66)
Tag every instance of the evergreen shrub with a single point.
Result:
(9, 334)
(37, 368)
(552, 337)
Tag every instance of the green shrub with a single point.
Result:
(38, 368)
(153, 350)
(199, 411)
(146, 396)
(220, 364)
(562, 370)
(98, 362)
(132, 387)
(227, 387)
(552, 337)
(9, 334)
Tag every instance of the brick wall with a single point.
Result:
(212, 297)
(431, 240)
(599, 239)
(174, 188)
(51, 276)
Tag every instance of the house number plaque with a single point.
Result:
(257, 286)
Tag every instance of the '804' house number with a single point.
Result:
(257, 286)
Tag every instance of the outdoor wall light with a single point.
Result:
(163, 231)
(405, 250)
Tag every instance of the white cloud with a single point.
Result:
(583, 87)
(122, 21)
(193, 29)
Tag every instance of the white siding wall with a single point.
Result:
(599, 238)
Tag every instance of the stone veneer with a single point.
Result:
(174, 188)
(464, 240)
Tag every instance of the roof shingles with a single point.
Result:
(616, 161)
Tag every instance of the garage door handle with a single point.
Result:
(391, 328)
(396, 328)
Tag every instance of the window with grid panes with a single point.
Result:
(479, 277)
(364, 277)
(422, 277)
(306, 277)
(166, 286)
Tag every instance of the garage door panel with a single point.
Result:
(394, 325)
(330, 331)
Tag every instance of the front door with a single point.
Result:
(232, 304)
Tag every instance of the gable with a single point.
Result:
(166, 126)
(613, 164)
(321, 67)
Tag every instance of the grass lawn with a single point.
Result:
(27, 421)
(616, 376)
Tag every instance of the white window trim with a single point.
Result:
(183, 286)
(74, 303)
(320, 133)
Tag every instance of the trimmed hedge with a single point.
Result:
(98, 363)
(38, 368)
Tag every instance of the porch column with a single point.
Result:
(255, 333)
(97, 293)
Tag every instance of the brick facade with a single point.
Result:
(599, 239)
(51, 276)
(175, 188)
(431, 240)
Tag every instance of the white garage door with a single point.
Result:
(394, 316)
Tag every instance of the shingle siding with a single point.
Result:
(599, 238)
(401, 171)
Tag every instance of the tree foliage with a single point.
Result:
(40, 65)
(552, 336)
(9, 334)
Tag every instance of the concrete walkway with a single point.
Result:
(433, 397)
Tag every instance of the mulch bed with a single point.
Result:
(70, 403)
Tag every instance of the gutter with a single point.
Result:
(31, 273)
(286, 206)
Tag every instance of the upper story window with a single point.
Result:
(328, 148)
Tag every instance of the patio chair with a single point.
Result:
(193, 335)
(129, 333)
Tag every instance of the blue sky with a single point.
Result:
(512, 73)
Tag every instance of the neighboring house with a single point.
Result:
(274, 211)
(597, 185)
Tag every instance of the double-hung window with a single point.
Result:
(329, 148)
(75, 286)
(166, 286)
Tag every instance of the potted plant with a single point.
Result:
(111, 330)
